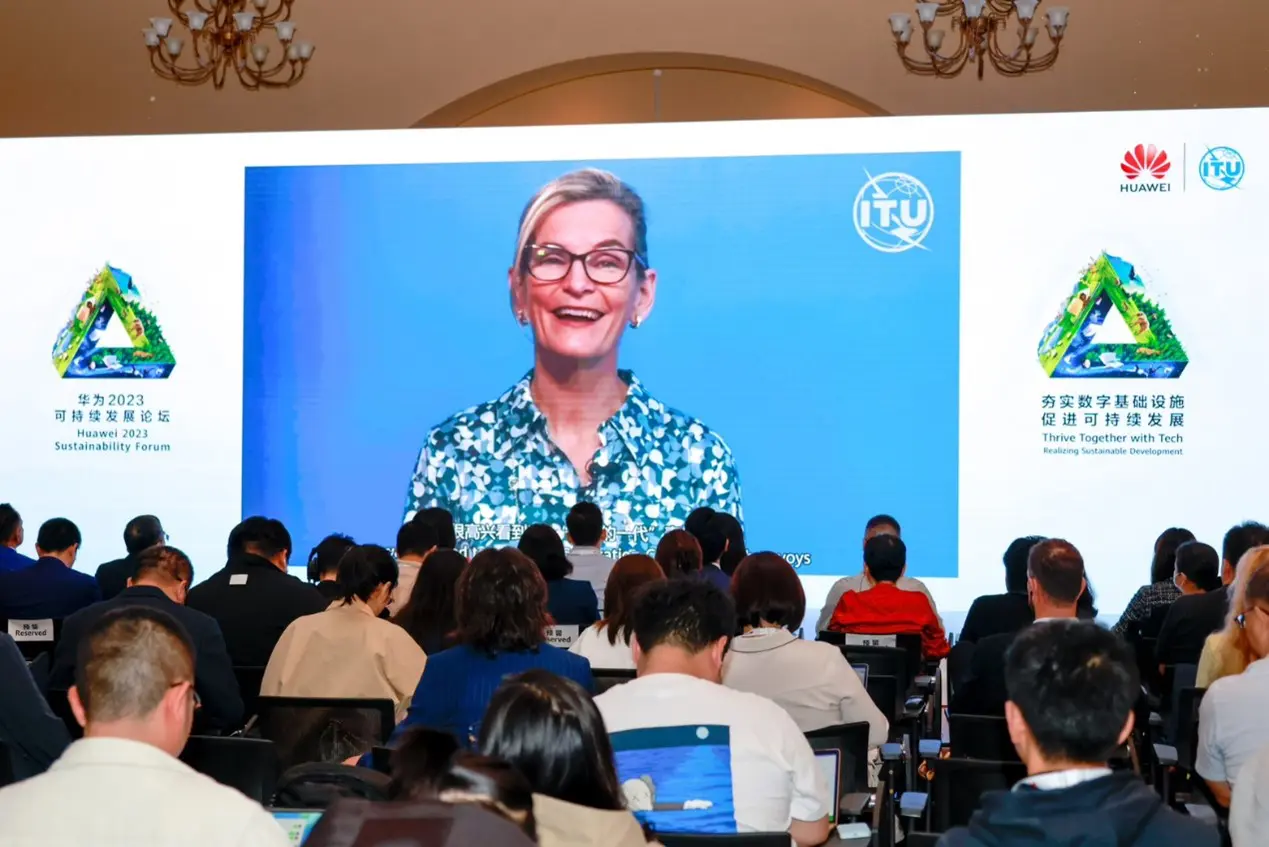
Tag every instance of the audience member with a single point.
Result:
(697, 519)
(442, 523)
(994, 614)
(429, 614)
(415, 542)
(1161, 592)
(1249, 808)
(11, 538)
(323, 565)
(1072, 686)
(877, 525)
(1190, 620)
(1228, 651)
(141, 533)
(586, 534)
(161, 580)
(735, 551)
(811, 679)
(606, 644)
(34, 735)
(682, 628)
(548, 729)
(134, 695)
(51, 588)
(502, 624)
(347, 651)
(885, 608)
(253, 598)
(1197, 570)
(715, 540)
(679, 554)
(1232, 725)
(1055, 581)
(570, 602)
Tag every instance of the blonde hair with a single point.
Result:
(1233, 649)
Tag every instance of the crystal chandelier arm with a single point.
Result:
(1021, 62)
(281, 13)
(167, 68)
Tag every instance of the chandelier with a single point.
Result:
(977, 25)
(225, 35)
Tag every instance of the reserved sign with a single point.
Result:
(40, 630)
(562, 636)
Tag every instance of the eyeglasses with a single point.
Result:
(1241, 620)
(603, 265)
(198, 701)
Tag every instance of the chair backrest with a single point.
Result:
(39, 668)
(1185, 736)
(922, 839)
(887, 695)
(247, 764)
(249, 681)
(981, 737)
(7, 774)
(59, 704)
(739, 839)
(606, 678)
(35, 637)
(323, 729)
(851, 741)
(316, 785)
(887, 661)
(959, 784)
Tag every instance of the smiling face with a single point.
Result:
(576, 318)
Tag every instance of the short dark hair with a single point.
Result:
(1016, 562)
(167, 563)
(734, 534)
(1163, 565)
(766, 588)
(549, 729)
(502, 602)
(885, 557)
(688, 613)
(1058, 568)
(1200, 563)
(324, 558)
(141, 532)
(128, 660)
(1075, 684)
(627, 577)
(1242, 538)
(679, 554)
(442, 522)
(57, 534)
(697, 519)
(10, 520)
(363, 569)
(585, 524)
(543, 545)
(415, 538)
(879, 521)
(713, 537)
(265, 536)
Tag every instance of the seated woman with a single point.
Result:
(347, 650)
(501, 630)
(679, 554)
(993, 614)
(549, 729)
(428, 614)
(606, 644)
(570, 602)
(1230, 651)
(1161, 591)
(811, 679)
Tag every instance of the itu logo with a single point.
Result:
(1140, 164)
(1221, 168)
(893, 212)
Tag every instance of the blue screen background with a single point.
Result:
(376, 306)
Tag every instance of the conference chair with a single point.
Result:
(888, 697)
(59, 703)
(39, 668)
(35, 637)
(323, 729)
(249, 682)
(606, 678)
(739, 839)
(247, 764)
(922, 839)
(850, 742)
(980, 737)
(957, 786)
(318, 784)
(7, 775)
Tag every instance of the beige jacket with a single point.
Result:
(563, 824)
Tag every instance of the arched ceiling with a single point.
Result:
(78, 66)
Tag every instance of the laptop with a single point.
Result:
(296, 823)
(862, 670)
(830, 765)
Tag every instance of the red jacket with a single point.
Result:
(886, 609)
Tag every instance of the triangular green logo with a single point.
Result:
(112, 293)
(1069, 348)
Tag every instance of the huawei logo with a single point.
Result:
(1146, 159)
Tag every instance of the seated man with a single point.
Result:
(737, 761)
(11, 538)
(134, 696)
(161, 581)
(34, 735)
(1072, 686)
(51, 588)
(886, 609)
(586, 536)
(877, 525)
(141, 533)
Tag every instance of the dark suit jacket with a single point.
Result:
(996, 614)
(1188, 623)
(214, 678)
(572, 601)
(113, 576)
(254, 603)
(35, 736)
(983, 691)
(47, 589)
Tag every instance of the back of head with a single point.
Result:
(1163, 564)
(549, 729)
(1249, 590)
(259, 536)
(10, 522)
(1200, 564)
(128, 661)
(1239, 539)
(363, 569)
(323, 560)
(585, 524)
(767, 590)
(441, 522)
(416, 538)
(1016, 563)
(501, 602)
(163, 566)
(1074, 684)
(881, 525)
(885, 557)
(679, 554)
(735, 535)
(697, 520)
(1058, 570)
(433, 600)
(57, 535)
(714, 535)
(625, 580)
(688, 614)
(543, 545)
(141, 532)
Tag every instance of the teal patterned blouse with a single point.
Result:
(495, 468)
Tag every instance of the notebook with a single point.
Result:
(830, 765)
(296, 823)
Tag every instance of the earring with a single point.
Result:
(521, 318)
(638, 319)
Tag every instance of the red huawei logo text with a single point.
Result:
(1147, 159)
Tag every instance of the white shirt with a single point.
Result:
(593, 644)
(1232, 725)
(810, 680)
(110, 792)
(590, 564)
(696, 756)
(860, 582)
(1249, 808)
(1057, 780)
(407, 575)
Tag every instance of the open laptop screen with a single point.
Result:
(296, 823)
(830, 764)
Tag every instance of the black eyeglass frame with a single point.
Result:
(632, 256)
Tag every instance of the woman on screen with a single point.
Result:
(575, 427)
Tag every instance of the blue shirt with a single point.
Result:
(572, 602)
(47, 589)
(715, 576)
(12, 560)
(496, 469)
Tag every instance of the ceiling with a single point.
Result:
(389, 63)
